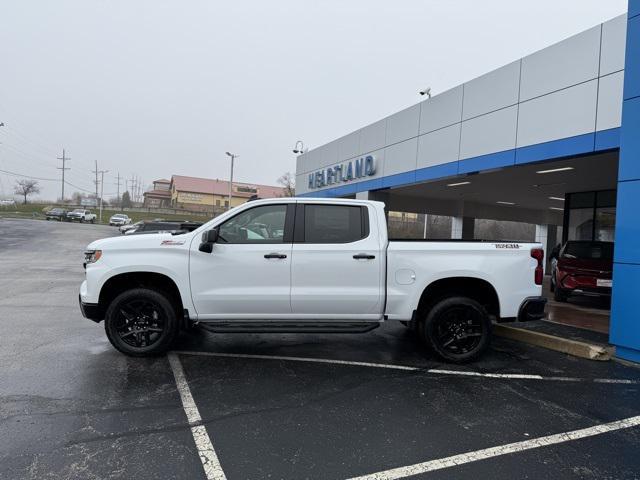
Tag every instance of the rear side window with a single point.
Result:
(334, 223)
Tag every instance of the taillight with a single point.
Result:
(538, 254)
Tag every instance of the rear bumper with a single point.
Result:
(532, 309)
(92, 311)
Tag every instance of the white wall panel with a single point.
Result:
(310, 160)
(372, 137)
(493, 132)
(614, 38)
(348, 146)
(400, 157)
(438, 147)
(567, 63)
(441, 110)
(329, 154)
(403, 125)
(495, 90)
(610, 101)
(302, 184)
(561, 114)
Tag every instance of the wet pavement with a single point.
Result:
(72, 407)
(588, 313)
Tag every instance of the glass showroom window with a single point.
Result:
(590, 215)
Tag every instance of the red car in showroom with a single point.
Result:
(582, 268)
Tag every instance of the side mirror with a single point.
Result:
(208, 239)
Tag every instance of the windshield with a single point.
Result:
(589, 250)
(117, 215)
(78, 210)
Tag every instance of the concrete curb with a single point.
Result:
(590, 351)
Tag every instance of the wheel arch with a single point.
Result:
(475, 288)
(121, 282)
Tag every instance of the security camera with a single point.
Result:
(426, 91)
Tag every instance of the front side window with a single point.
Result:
(333, 224)
(256, 225)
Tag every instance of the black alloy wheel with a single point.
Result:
(141, 322)
(458, 329)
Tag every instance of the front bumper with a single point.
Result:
(92, 311)
(532, 309)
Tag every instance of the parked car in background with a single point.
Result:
(119, 219)
(59, 214)
(582, 268)
(81, 215)
(162, 226)
(7, 203)
(131, 226)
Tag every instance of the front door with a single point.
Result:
(338, 263)
(248, 273)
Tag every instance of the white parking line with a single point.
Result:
(208, 456)
(418, 468)
(300, 359)
(437, 371)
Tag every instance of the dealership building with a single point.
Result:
(551, 139)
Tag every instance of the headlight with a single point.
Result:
(92, 256)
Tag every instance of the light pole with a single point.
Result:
(102, 172)
(299, 148)
(233, 157)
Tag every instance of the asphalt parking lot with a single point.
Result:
(283, 406)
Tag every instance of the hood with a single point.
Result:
(128, 242)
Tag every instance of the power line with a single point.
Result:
(75, 186)
(29, 176)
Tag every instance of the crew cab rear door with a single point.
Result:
(337, 263)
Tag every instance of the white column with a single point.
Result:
(463, 228)
(542, 231)
(362, 195)
(456, 227)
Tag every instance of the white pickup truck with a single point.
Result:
(307, 265)
(81, 215)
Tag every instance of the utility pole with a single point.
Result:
(118, 194)
(96, 171)
(102, 172)
(233, 157)
(131, 189)
(63, 168)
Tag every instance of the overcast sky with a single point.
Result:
(155, 88)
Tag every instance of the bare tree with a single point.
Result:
(26, 188)
(288, 183)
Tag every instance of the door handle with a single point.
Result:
(364, 256)
(275, 255)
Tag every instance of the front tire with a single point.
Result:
(141, 322)
(457, 329)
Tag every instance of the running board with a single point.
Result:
(245, 326)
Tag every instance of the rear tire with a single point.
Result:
(457, 329)
(141, 323)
